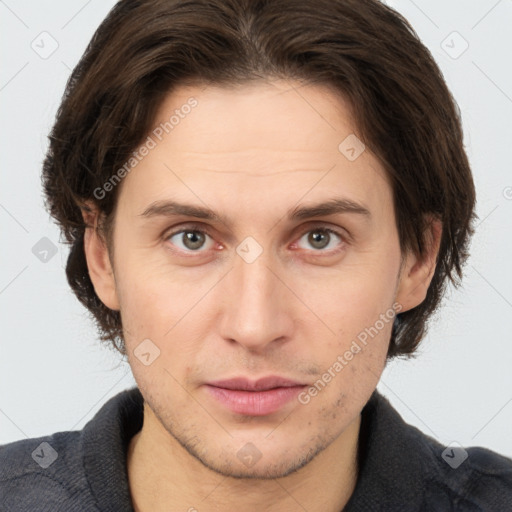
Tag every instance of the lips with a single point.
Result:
(254, 398)
(263, 384)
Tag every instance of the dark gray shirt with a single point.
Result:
(401, 469)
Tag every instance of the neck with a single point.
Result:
(163, 476)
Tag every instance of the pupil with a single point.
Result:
(193, 239)
(318, 239)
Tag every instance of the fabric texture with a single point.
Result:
(401, 468)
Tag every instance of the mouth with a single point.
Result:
(254, 398)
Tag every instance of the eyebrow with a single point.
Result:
(330, 207)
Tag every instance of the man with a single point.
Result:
(257, 220)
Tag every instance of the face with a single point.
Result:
(258, 289)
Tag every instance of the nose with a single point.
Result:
(257, 305)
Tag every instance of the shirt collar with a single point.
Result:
(392, 458)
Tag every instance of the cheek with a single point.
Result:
(353, 297)
(144, 278)
(352, 364)
(353, 319)
(163, 303)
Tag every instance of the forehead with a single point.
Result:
(257, 117)
(241, 147)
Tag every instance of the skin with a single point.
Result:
(252, 153)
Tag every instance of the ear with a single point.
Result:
(98, 260)
(416, 273)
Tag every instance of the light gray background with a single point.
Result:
(54, 375)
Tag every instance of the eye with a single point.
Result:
(191, 239)
(323, 239)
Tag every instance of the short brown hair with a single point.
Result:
(365, 50)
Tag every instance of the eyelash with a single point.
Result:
(322, 228)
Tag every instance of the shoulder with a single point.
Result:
(44, 473)
(404, 468)
(70, 471)
(463, 479)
